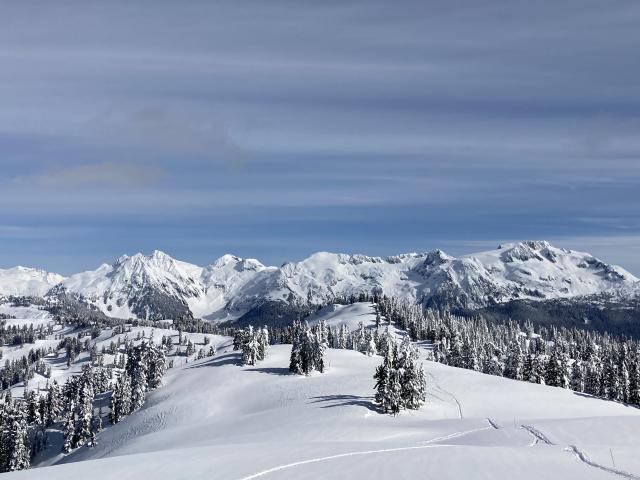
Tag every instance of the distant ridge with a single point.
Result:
(158, 286)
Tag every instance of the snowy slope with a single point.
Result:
(25, 281)
(215, 419)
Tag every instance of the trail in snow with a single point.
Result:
(583, 458)
(493, 424)
(426, 444)
(537, 435)
(448, 393)
(339, 455)
(454, 435)
(580, 455)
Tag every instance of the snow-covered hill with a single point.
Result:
(28, 282)
(158, 286)
(216, 419)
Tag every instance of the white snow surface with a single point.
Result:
(216, 419)
(231, 286)
(25, 281)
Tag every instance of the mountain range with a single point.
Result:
(157, 286)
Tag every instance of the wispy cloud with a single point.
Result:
(327, 125)
(106, 174)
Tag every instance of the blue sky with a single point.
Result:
(276, 129)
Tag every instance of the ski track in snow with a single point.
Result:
(580, 455)
(341, 455)
(448, 393)
(537, 435)
(425, 444)
(455, 435)
(493, 424)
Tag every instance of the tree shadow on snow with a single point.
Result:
(270, 370)
(226, 359)
(331, 401)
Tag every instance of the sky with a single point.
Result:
(276, 129)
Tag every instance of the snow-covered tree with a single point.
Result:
(14, 447)
(307, 351)
(121, 399)
(514, 362)
(400, 381)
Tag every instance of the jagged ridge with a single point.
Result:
(157, 286)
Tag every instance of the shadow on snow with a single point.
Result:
(331, 401)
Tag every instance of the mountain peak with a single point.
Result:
(158, 286)
(226, 259)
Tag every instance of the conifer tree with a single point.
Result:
(14, 447)
(577, 377)
(69, 429)
(634, 381)
(388, 388)
(552, 372)
(412, 379)
(514, 363)
(157, 365)
(121, 399)
(263, 343)
(138, 368)
(250, 347)
(610, 380)
(307, 351)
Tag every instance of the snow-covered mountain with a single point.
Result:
(526, 270)
(158, 286)
(27, 282)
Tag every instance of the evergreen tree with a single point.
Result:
(14, 447)
(53, 402)
(84, 410)
(69, 429)
(388, 388)
(552, 373)
(592, 379)
(412, 380)
(610, 380)
(157, 362)
(263, 343)
(138, 368)
(121, 399)
(250, 347)
(307, 351)
(577, 377)
(513, 367)
(634, 381)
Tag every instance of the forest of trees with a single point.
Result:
(24, 422)
(584, 361)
